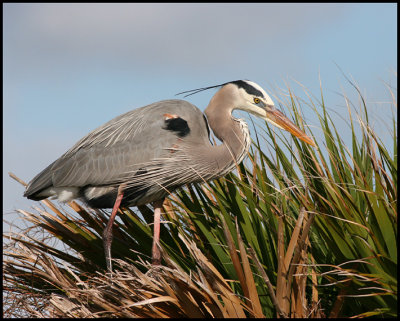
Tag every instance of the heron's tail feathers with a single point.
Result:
(41, 182)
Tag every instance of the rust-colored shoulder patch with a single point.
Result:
(170, 116)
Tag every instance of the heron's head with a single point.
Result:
(250, 97)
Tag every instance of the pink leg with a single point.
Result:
(156, 254)
(107, 234)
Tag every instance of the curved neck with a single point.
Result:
(233, 133)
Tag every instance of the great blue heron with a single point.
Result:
(143, 155)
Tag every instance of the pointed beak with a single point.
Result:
(278, 119)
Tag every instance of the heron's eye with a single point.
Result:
(256, 100)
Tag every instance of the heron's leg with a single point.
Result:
(156, 254)
(107, 234)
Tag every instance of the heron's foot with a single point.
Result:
(107, 239)
(156, 261)
(156, 255)
(109, 265)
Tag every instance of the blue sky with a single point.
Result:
(68, 68)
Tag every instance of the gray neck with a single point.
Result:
(233, 133)
(200, 160)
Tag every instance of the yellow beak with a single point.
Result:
(278, 119)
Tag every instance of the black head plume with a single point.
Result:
(195, 91)
(240, 83)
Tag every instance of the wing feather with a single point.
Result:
(114, 151)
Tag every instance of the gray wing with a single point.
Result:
(124, 145)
